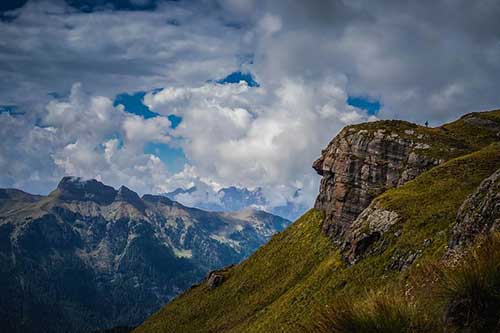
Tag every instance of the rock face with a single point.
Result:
(88, 256)
(368, 228)
(359, 164)
(479, 214)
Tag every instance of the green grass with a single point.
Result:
(461, 295)
(474, 136)
(252, 287)
(428, 204)
(383, 312)
(287, 283)
(470, 292)
(298, 275)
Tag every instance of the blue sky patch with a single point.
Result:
(10, 109)
(133, 104)
(173, 158)
(174, 120)
(236, 77)
(371, 106)
(116, 136)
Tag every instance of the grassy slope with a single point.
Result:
(285, 284)
(251, 286)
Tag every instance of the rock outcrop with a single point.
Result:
(214, 280)
(367, 229)
(361, 163)
(479, 214)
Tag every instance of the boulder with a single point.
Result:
(479, 214)
(214, 280)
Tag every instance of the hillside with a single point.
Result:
(387, 207)
(88, 256)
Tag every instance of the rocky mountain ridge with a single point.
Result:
(88, 256)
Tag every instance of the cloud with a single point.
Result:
(253, 137)
(111, 51)
(84, 136)
(308, 57)
(139, 131)
(402, 53)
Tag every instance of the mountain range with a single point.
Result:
(232, 199)
(88, 256)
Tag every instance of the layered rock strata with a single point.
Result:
(359, 164)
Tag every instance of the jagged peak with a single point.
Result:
(127, 195)
(78, 189)
(75, 188)
(157, 199)
(72, 182)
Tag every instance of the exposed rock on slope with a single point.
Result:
(88, 256)
(367, 229)
(479, 214)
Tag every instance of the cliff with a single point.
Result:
(363, 161)
(360, 164)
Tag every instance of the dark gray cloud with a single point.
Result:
(432, 59)
(425, 60)
(51, 45)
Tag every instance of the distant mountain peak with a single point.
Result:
(157, 199)
(79, 189)
(236, 198)
(127, 195)
(75, 188)
(180, 190)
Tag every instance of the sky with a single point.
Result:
(157, 94)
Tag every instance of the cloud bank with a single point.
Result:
(62, 67)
